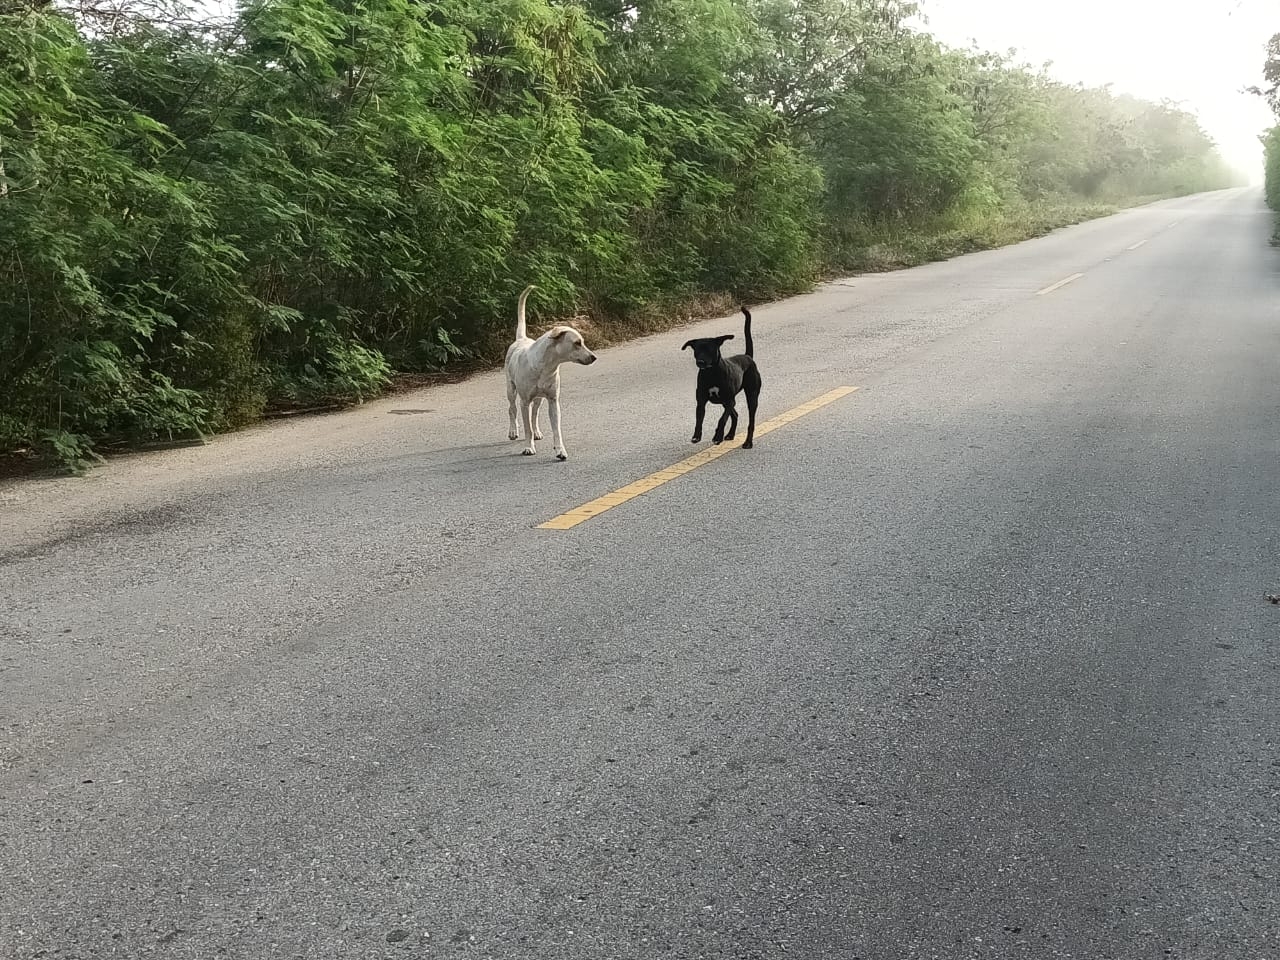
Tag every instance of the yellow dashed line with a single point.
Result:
(1061, 283)
(654, 480)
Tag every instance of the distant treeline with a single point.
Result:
(201, 218)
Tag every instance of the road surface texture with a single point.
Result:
(973, 662)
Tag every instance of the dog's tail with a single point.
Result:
(747, 331)
(521, 330)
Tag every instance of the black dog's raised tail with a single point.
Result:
(747, 330)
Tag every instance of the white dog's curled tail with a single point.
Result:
(520, 326)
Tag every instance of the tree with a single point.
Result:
(1271, 75)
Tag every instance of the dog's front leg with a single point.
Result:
(733, 422)
(697, 423)
(513, 433)
(526, 411)
(537, 405)
(718, 436)
(557, 438)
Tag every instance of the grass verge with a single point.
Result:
(878, 247)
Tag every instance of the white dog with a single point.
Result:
(533, 375)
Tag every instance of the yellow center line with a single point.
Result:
(654, 480)
(1061, 283)
(1136, 245)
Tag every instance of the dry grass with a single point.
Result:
(871, 248)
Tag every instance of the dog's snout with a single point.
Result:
(591, 358)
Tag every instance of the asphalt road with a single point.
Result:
(974, 662)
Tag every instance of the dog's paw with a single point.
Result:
(513, 435)
(538, 435)
(697, 438)
(562, 455)
(748, 445)
(527, 452)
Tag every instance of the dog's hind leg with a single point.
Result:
(526, 410)
(752, 390)
(513, 433)
(537, 405)
(557, 438)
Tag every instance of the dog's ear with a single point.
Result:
(727, 336)
(687, 345)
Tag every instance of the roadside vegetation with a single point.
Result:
(205, 219)
(1271, 139)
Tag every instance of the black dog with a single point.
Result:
(721, 380)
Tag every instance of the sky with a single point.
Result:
(1199, 53)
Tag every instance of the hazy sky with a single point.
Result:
(1199, 52)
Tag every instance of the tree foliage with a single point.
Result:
(1271, 148)
(1271, 139)
(198, 217)
(1271, 74)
